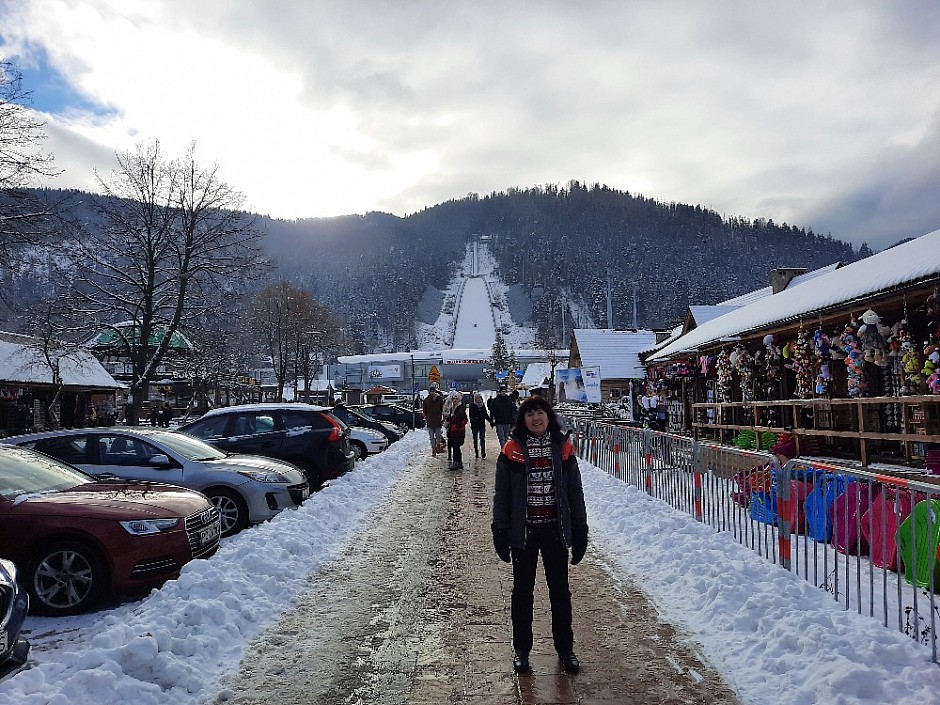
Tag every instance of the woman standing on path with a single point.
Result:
(478, 420)
(457, 431)
(538, 507)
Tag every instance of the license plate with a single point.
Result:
(210, 533)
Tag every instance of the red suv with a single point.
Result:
(76, 540)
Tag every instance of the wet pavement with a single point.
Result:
(416, 612)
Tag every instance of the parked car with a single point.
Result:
(246, 489)
(306, 435)
(14, 604)
(353, 417)
(365, 442)
(76, 539)
(398, 415)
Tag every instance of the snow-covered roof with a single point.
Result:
(912, 261)
(762, 293)
(22, 362)
(703, 314)
(616, 352)
(454, 354)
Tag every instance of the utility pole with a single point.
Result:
(610, 303)
(634, 306)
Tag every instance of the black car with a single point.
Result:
(354, 417)
(306, 435)
(394, 413)
(14, 604)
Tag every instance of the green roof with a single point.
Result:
(115, 336)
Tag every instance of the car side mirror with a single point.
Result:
(160, 460)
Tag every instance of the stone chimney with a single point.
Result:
(782, 276)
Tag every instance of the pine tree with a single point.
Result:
(500, 355)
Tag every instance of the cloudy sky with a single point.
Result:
(821, 114)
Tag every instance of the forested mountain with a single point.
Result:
(559, 243)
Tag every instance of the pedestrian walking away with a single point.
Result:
(479, 417)
(503, 415)
(538, 508)
(457, 431)
(433, 407)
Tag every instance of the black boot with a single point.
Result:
(569, 661)
(520, 663)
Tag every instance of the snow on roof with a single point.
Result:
(616, 352)
(909, 262)
(762, 293)
(703, 314)
(21, 362)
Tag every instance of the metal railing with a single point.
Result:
(869, 539)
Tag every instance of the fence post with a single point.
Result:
(784, 511)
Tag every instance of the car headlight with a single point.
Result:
(264, 476)
(143, 527)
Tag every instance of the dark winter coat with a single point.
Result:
(512, 479)
(434, 410)
(502, 410)
(457, 425)
(478, 416)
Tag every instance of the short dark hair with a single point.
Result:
(533, 403)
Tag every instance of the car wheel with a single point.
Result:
(358, 449)
(232, 509)
(66, 578)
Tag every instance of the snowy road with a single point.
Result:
(416, 612)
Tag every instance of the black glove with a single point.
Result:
(501, 544)
(578, 544)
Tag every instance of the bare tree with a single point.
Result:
(295, 331)
(24, 219)
(171, 242)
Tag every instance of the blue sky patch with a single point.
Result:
(50, 91)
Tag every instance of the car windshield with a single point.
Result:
(187, 446)
(24, 472)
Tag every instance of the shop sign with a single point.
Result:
(385, 372)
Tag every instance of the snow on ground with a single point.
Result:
(475, 327)
(777, 639)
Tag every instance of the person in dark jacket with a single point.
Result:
(478, 420)
(503, 414)
(538, 507)
(434, 416)
(456, 431)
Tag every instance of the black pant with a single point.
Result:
(555, 563)
(454, 444)
(479, 433)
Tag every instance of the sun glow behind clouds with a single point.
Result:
(795, 113)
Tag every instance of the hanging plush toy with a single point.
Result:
(723, 376)
(743, 363)
(802, 366)
(912, 369)
(871, 339)
(854, 360)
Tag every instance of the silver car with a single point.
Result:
(247, 489)
(366, 441)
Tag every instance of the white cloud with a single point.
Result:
(793, 111)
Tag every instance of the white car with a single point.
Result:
(247, 489)
(366, 441)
